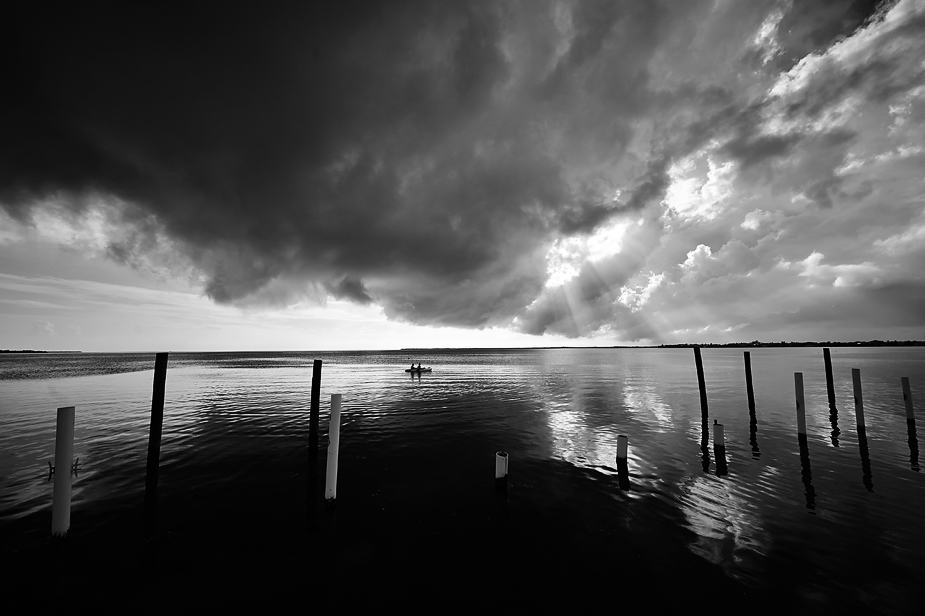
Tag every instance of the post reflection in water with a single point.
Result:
(753, 433)
(913, 445)
(807, 473)
(833, 417)
(705, 444)
(865, 459)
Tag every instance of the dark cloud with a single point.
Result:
(810, 26)
(370, 149)
(349, 288)
(421, 155)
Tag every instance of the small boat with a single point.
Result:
(417, 370)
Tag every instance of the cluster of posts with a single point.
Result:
(64, 441)
(64, 451)
(719, 445)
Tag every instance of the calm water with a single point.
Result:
(850, 514)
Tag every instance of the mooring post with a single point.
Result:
(313, 432)
(156, 427)
(501, 467)
(719, 447)
(829, 380)
(907, 398)
(858, 399)
(748, 382)
(623, 473)
(330, 484)
(801, 407)
(701, 383)
(152, 470)
(64, 452)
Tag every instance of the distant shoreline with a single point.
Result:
(688, 345)
(32, 351)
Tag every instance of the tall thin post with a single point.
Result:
(801, 407)
(829, 380)
(858, 398)
(704, 411)
(330, 484)
(157, 422)
(748, 382)
(64, 452)
(313, 430)
(152, 470)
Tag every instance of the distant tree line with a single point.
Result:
(782, 343)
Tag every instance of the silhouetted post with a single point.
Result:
(152, 470)
(313, 431)
(858, 399)
(829, 380)
(719, 447)
(748, 382)
(801, 407)
(330, 484)
(64, 452)
(866, 476)
(623, 471)
(907, 398)
(700, 382)
(501, 462)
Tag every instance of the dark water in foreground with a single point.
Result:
(839, 527)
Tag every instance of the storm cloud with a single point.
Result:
(429, 157)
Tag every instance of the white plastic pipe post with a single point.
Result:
(64, 453)
(801, 407)
(330, 484)
(907, 397)
(858, 398)
(622, 445)
(501, 460)
(719, 435)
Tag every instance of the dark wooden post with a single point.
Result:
(829, 381)
(700, 382)
(748, 382)
(152, 470)
(313, 432)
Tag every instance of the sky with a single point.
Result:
(376, 175)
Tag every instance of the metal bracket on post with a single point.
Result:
(74, 468)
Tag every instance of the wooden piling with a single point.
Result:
(64, 453)
(704, 411)
(907, 397)
(330, 484)
(801, 407)
(314, 412)
(623, 472)
(829, 380)
(858, 398)
(748, 382)
(157, 423)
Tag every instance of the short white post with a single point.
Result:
(907, 397)
(623, 471)
(501, 466)
(330, 484)
(719, 435)
(801, 406)
(64, 453)
(858, 398)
